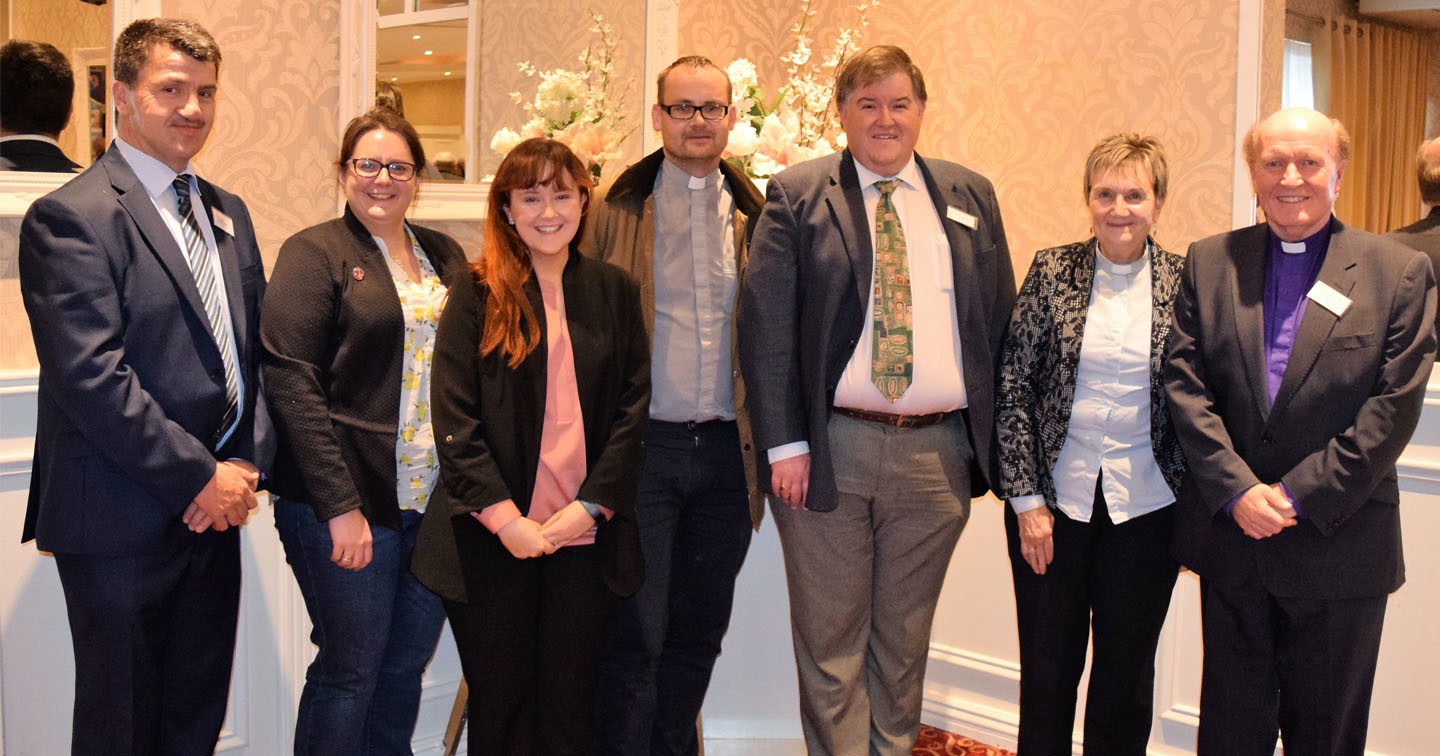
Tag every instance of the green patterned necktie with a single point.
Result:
(893, 365)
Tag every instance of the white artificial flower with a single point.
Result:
(504, 141)
(743, 140)
(742, 75)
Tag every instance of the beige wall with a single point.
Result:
(1021, 91)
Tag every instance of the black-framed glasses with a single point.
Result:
(367, 168)
(710, 111)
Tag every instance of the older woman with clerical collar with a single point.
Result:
(1089, 462)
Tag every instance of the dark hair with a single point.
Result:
(874, 64)
(504, 265)
(132, 47)
(696, 62)
(388, 95)
(37, 86)
(380, 118)
(1428, 171)
(1119, 150)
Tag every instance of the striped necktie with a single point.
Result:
(198, 256)
(892, 366)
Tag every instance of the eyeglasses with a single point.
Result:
(710, 111)
(367, 168)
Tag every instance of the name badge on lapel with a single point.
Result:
(1325, 296)
(960, 216)
(222, 221)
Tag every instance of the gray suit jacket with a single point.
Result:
(803, 296)
(1423, 235)
(1347, 404)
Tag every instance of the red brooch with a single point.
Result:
(358, 273)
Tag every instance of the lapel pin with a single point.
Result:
(358, 272)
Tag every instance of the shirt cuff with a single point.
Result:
(595, 510)
(786, 451)
(498, 515)
(1230, 505)
(1023, 504)
(1294, 502)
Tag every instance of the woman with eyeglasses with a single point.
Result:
(542, 383)
(348, 328)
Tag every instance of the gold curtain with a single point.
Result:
(1377, 89)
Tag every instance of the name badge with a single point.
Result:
(960, 216)
(1325, 296)
(222, 221)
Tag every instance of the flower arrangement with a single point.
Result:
(799, 123)
(584, 109)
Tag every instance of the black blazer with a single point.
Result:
(1347, 404)
(489, 417)
(1041, 360)
(35, 156)
(132, 387)
(333, 336)
(1423, 235)
(803, 296)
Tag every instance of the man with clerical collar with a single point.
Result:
(39, 95)
(1424, 234)
(870, 322)
(143, 286)
(680, 222)
(1297, 369)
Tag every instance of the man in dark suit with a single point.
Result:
(1297, 369)
(680, 222)
(39, 93)
(143, 289)
(870, 319)
(1424, 234)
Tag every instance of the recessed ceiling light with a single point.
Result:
(447, 73)
(394, 78)
(414, 36)
(429, 52)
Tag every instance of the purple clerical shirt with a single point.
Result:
(1290, 271)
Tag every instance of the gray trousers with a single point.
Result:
(865, 577)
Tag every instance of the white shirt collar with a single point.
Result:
(30, 138)
(909, 175)
(154, 175)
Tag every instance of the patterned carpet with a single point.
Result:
(933, 742)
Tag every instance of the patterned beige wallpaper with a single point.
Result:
(1021, 91)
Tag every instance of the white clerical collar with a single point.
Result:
(682, 177)
(1292, 248)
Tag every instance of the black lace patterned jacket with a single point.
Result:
(1042, 354)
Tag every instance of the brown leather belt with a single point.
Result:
(894, 421)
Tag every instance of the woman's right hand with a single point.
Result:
(353, 546)
(525, 538)
(1037, 546)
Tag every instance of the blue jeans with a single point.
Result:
(376, 630)
(694, 516)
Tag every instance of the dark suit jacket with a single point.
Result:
(132, 387)
(1423, 235)
(1347, 404)
(489, 418)
(35, 156)
(333, 355)
(621, 230)
(1041, 358)
(803, 296)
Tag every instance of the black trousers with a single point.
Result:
(1304, 666)
(154, 638)
(1116, 579)
(530, 651)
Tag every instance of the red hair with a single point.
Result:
(504, 265)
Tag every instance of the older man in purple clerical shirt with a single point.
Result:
(1297, 369)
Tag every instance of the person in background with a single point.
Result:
(870, 319)
(348, 331)
(39, 92)
(143, 284)
(1089, 461)
(542, 376)
(680, 221)
(1297, 368)
(1424, 234)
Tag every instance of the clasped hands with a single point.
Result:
(1263, 510)
(526, 538)
(226, 499)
